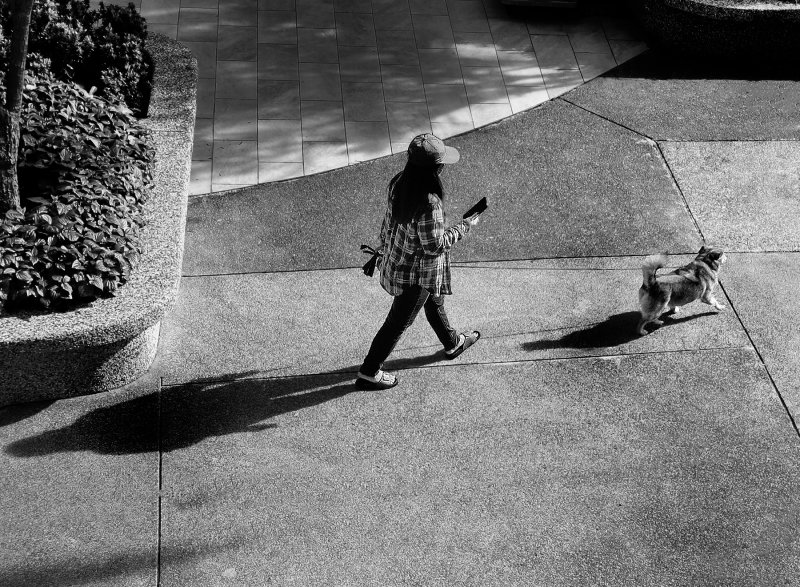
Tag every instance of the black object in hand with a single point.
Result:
(477, 208)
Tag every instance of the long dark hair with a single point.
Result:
(409, 189)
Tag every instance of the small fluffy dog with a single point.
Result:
(686, 284)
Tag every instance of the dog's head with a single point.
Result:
(711, 256)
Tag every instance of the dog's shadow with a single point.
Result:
(614, 331)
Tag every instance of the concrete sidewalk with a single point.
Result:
(561, 450)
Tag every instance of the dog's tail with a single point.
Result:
(652, 264)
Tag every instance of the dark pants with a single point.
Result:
(405, 308)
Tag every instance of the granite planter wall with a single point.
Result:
(113, 341)
(765, 32)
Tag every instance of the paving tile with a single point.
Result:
(237, 43)
(510, 35)
(277, 27)
(621, 29)
(197, 24)
(317, 45)
(276, 5)
(355, 29)
(431, 7)
(397, 47)
(206, 55)
(594, 64)
(237, 80)
(235, 163)
(526, 97)
(391, 14)
(468, 16)
(280, 141)
(485, 85)
(560, 81)
(320, 81)
(270, 171)
(495, 9)
(359, 64)
(200, 3)
(476, 49)
(483, 114)
(319, 157)
(168, 30)
(554, 52)
(447, 103)
(235, 120)
(402, 83)
(452, 128)
(744, 195)
(433, 32)
(546, 24)
(278, 62)
(200, 178)
(352, 6)
(315, 14)
(440, 66)
(322, 121)
(218, 187)
(590, 42)
(625, 50)
(279, 99)
(238, 12)
(206, 88)
(407, 120)
(80, 489)
(520, 68)
(203, 147)
(367, 140)
(160, 11)
(363, 102)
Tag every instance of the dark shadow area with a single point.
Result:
(199, 409)
(616, 330)
(110, 569)
(661, 65)
(18, 412)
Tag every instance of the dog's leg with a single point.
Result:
(708, 298)
(640, 328)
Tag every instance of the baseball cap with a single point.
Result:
(427, 149)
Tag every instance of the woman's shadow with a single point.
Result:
(614, 331)
(183, 415)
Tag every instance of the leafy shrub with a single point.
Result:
(101, 48)
(84, 168)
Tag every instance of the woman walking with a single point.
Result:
(415, 266)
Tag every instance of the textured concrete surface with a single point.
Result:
(744, 195)
(547, 189)
(695, 101)
(239, 325)
(80, 490)
(674, 469)
(763, 288)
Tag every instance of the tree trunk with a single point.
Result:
(9, 150)
(9, 116)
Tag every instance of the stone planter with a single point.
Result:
(764, 33)
(113, 341)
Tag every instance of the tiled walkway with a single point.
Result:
(295, 87)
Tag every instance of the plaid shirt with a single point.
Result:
(418, 253)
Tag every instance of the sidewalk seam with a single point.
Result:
(160, 482)
(601, 117)
(761, 358)
(680, 191)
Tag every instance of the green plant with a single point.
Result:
(102, 48)
(85, 166)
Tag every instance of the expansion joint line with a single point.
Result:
(680, 191)
(160, 482)
(607, 119)
(761, 358)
